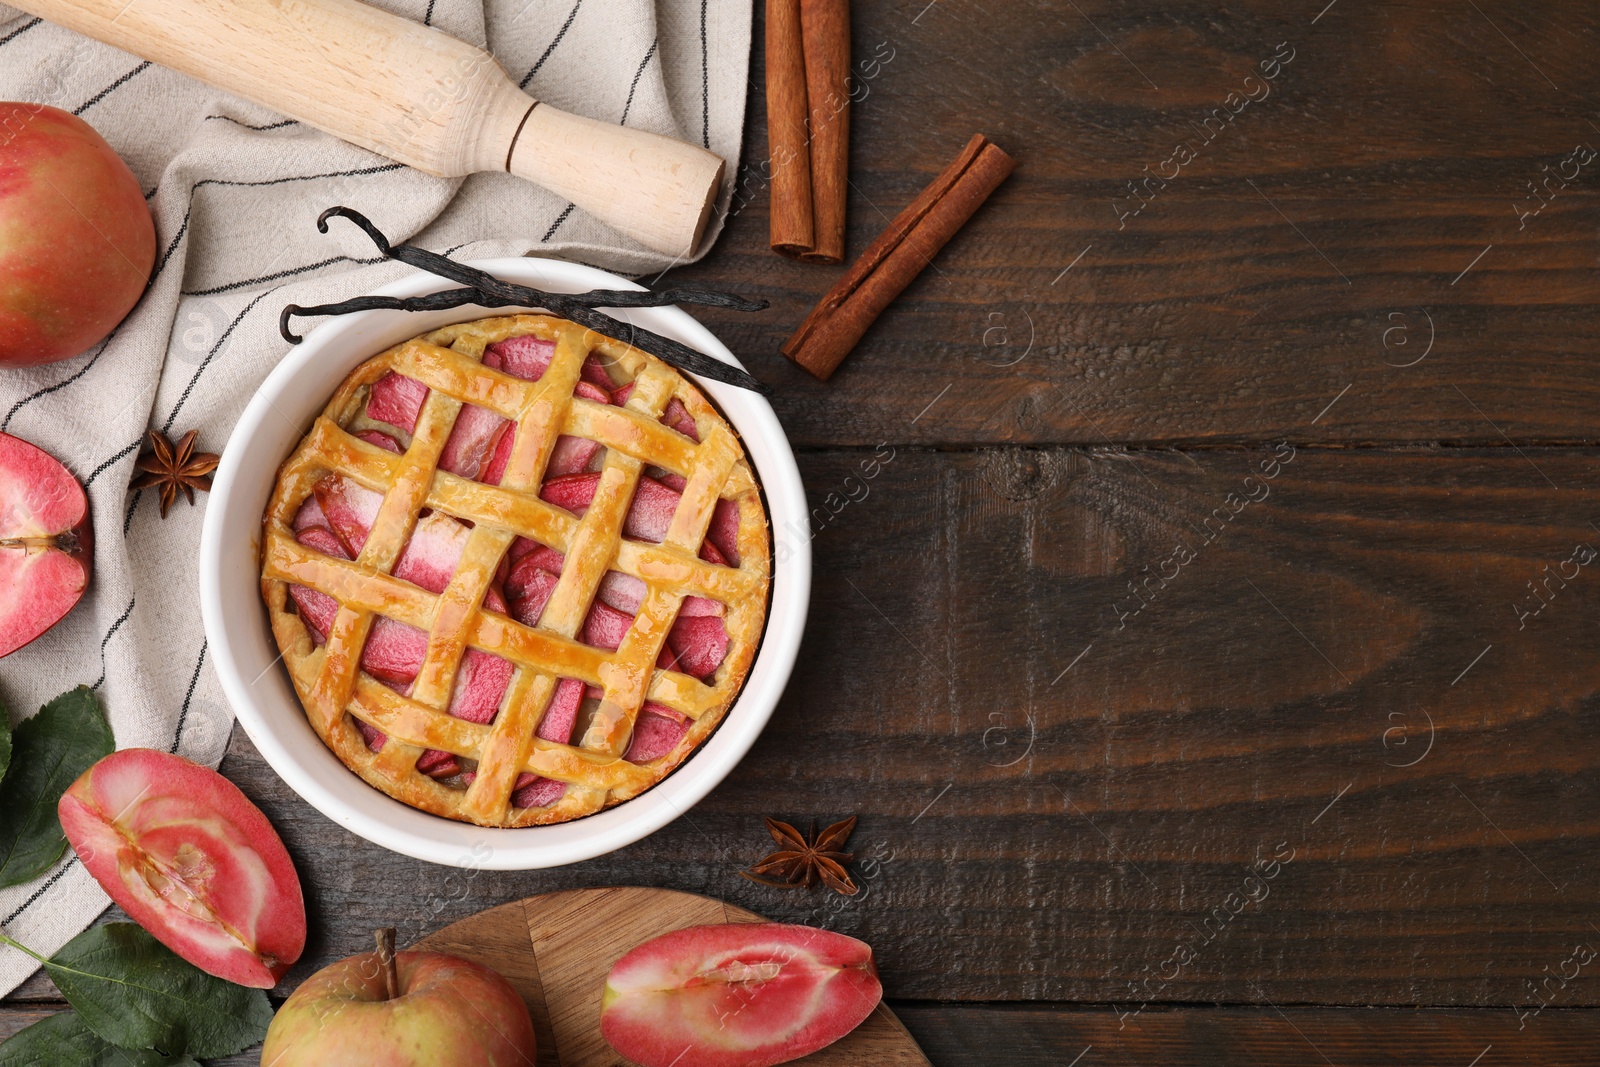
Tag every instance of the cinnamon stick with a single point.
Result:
(898, 255)
(825, 30)
(788, 125)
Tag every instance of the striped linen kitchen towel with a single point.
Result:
(235, 191)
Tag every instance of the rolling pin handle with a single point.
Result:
(657, 190)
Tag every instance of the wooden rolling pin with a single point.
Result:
(414, 94)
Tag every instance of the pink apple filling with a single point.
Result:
(696, 644)
(472, 449)
(556, 724)
(677, 416)
(655, 501)
(480, 442)
(396, 400)
(394, 650)
(338, 517)
(521, 357)
(531, 580)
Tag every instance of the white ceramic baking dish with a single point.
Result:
(259, 688)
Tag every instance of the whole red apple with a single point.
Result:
(444, 1012)
(76, 239)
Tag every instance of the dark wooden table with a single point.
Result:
(1214, 664)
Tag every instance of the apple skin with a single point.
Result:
(450, 1012)
(76, 239)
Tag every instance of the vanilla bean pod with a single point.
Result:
(485, 289)
(454, 298)
(441, 301)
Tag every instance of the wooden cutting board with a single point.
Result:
(557, 949)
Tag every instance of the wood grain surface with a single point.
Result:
(557, 949)
(1258, 714)
(1204, 623)
(1320, 237)
(1255, 1036)
(1052, 1035)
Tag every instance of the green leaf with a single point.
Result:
(51, 749)
(63, 1041)
(135, 992)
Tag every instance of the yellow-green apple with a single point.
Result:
(45, 544)
(408, 1009)
(76, 238)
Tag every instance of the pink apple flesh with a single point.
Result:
(656, 731)
(76, 239)
(191, 860)
(397, 400)
(45, 543)
(450, 1012)
(739, 995)
(473, 442)
(522, 357)
(677, 416)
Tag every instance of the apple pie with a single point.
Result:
(518, 570)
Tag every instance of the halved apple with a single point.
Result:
(191, 860)
(737, 995)
(45, 544)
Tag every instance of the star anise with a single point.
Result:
(803, 860)
(174, 469)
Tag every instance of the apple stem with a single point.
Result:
(386, 960)
(65, 542)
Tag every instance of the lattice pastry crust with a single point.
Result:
(327, 668)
